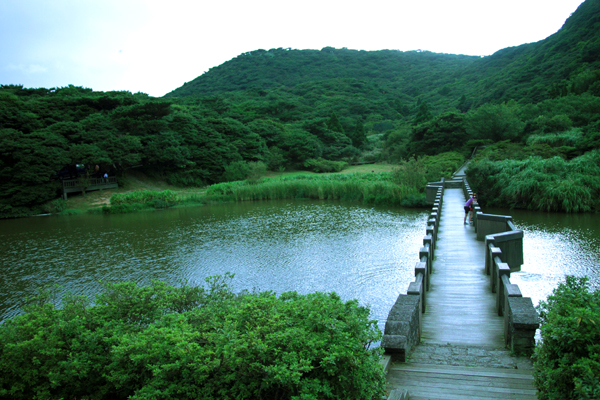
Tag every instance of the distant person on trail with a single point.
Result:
(469, 208)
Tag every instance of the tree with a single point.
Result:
(423, 114)
(27, 162)
(441, 134)
(463, 104)
(358, 136)
(300, 146)
(334, 123)
(495, 122)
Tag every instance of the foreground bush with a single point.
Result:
(567, 361)
(163, 342)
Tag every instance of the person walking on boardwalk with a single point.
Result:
(469, 207)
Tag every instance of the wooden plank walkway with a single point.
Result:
(460, 305)
(444, 382)
(460, 312)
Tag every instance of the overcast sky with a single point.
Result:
(154, 46)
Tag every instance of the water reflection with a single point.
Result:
(555, 245)
(359, 252)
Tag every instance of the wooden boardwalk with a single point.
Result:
(460, 312)
(445, 382)
(460, 305)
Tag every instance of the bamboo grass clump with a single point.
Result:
(552, 184)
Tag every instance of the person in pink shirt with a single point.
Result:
(469, 208)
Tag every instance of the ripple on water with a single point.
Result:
(553, 250)
(357, 252)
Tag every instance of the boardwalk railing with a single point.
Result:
(504, 254)
(504, 244)
(88, 185)
(405, 321)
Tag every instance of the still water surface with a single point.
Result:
(555, 245)
(367, 253)
(359, 252)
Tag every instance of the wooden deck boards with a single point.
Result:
(461, 311)
(435, 382)
(460, 306)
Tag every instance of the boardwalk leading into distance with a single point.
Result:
(462, 353)
(460, 305)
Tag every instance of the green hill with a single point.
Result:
(527, 73)
(285, 109)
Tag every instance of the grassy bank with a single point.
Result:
(381, 184)
(135, 181)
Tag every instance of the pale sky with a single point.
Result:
(155, 46)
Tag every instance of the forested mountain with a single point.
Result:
(300, 108)
(395, 75)
(566, 62)
(533, 72)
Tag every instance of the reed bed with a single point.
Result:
(552, 184)
(143, 197)
(367, 188)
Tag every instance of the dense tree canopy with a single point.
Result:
(284, 107)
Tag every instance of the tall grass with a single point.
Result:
(138, 200)
(143, 197)
(552, 184)
(369, 188)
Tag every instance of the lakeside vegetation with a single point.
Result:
(191, 342)
(287, 110)
(400, 185)
(567, 360)
(532, 111)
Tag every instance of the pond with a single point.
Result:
(555, 245)
(361, 252)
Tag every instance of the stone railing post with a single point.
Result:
(404, 323)
(402, 329)
(523, 322)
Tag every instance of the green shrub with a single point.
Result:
(124, 208)
(415, 201)
(55, 206)
(567, 360)
(322, 165)
(190, 342)
(442, 165)
(196, 178)
(256, 170)
(411, 173)
(236, 171)
(569, 138)
(166, 198)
